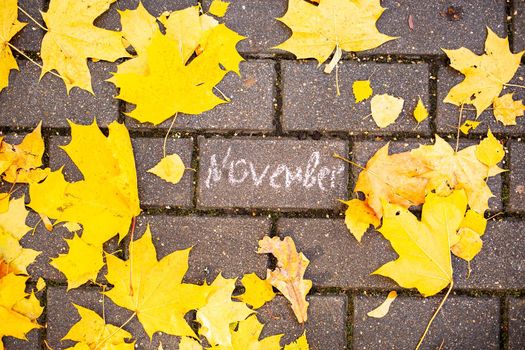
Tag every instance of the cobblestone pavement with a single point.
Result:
(285, 116)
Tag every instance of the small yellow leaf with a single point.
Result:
(382, 310)
(506, 110)
(468, 125)
(358, 217)
(474, 221)
(170, 168)
(490, 151)
(40, 284)
(362, 90)
(386, 109)
(300, 343)
(218, 8)
(468, 245)
(257, 291)
(420, 112)
(247, 337)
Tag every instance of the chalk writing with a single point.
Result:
(239, 171)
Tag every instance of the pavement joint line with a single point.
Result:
(504, 323)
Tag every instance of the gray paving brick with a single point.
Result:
(501, 263)
(27, 100)
(153, 191)
(310, 101)
(448, 114)
(518, 25)
(62, 315)
(463, 323)
(251, 107)
(220, 245)
(270, 173)
(336, 258)
(325, 328)
(516, 201)
(439, 24)
(33, 341)
(516, 323)
(30, 37)
(364, 150)
(256, 20)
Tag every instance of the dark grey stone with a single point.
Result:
(463, 323)
(439, 24)
(518, 25)
(325, 328)
(33, 341)
(516, 201)
(219, 245)
(260, 173)
(516, 323)
(27, 100)
(62, 315)
(310, 101)
(336, 258)
(448, 114)
(30, 37)
(251, 107)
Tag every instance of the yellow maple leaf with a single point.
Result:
(468, 125)
(334, 24)
(187, 343)
(72, 38)
(170, 168)
(288, 277)
(358, 217)
(21, 163)
(153, 289)
(485, 75)
(218, 8)
(106, 200)
(161, 82)
(423, 246)
(490, 151)
(506, 110)
(247, 334)
(257, 291)
(362, 90)
(420, 112)
(385, 109)
(9, 26)
(300, 343)
(18, 309)
(382, 310)
(93, 333)
(12, 229)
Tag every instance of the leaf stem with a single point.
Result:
(515, 85)
(132, 234)
(116, 331)
(435, 314)
(335, 155)
(32, 60)
(31, 18)
(459, 126)
(166, 137)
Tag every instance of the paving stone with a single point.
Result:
(518, 25)
(362, 151)
(27, 100)
(447, 114)
(463, 323)
(256, 20)
(516, 323)
(336, 258)
(439, 24)
(33, 341)
(310, 101)
(501, 263)
(154, 191)
(220, 245)
(251, 107)
(30, 37)
(62, 315)
(325, 328)
(516, 201)
(270, 173)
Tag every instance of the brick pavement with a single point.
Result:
(247, 155)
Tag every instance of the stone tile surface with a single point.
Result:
(463, 323)
(30, 37)
(336, 258)
(251, 107)
(270, 173)
(27, 100)
(518, 25)
(325, 328)
(516, 323)
(448, 114)
(516, 201)
(310, 101)
(220, 245)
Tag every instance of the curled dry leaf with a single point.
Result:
(9, 26)
(386, 109)
(288, 277)
(382, 310)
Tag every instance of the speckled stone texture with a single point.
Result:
(517, 177)
(518, 24)
(270, 173)
(516, 323)
(463, 323)
(30, 37)
(310, 100)
(252, 105)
